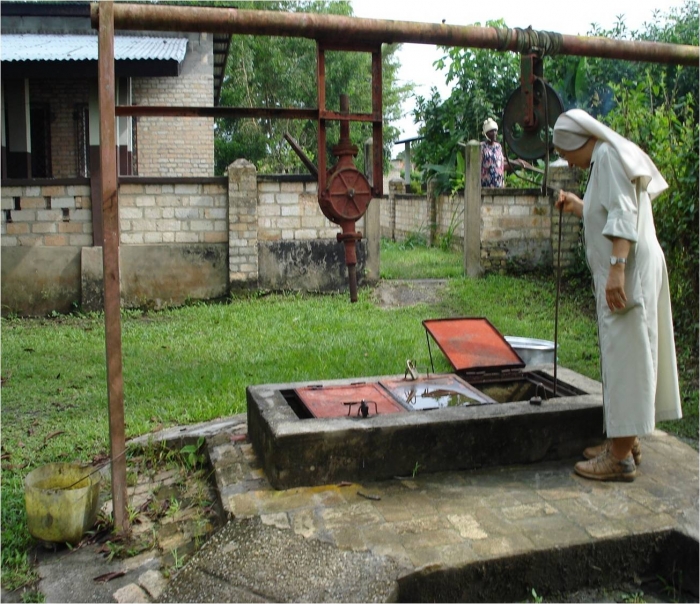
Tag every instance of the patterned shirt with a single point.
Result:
(492, 165)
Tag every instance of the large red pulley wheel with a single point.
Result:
(347, 195)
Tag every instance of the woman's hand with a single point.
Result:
(615, 288)
(569, 203)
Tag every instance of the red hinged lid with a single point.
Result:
(473, 343)
(340, 401)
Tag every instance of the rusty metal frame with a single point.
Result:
(375, 117)
(106, 16)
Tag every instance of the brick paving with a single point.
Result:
(457, 517)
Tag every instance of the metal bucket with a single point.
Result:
(532, 351)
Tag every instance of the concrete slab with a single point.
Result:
(249, 561)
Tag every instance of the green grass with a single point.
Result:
(194, 363)
(410, 260)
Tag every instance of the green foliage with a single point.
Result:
(416, 187)
(267, 71)
(447, 240)
(634, 597)
(191, 455)
(535, 597)
(587, 83)
(482, 81)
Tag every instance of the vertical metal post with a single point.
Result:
(110, 259)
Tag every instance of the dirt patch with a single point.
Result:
(397, 292)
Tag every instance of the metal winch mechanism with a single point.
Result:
(344, 192)
(531, 112)
(346, 196)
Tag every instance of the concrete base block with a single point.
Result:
(305, 452)
(309, 265)
(91, 279)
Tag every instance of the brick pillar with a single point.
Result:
(432, 213)
(242, 225)
(569, 179)
(396, 186)
(472, 210)
(373, 219)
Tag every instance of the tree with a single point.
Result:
(587, 83)
(281, 72)
(483, 82)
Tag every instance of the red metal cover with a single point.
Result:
(332, 401)
(472, 343)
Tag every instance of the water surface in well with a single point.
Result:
(425, 395)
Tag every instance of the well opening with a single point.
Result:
(492, 410)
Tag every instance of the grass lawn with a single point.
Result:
(194, 363)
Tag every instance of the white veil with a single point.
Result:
(637, 164)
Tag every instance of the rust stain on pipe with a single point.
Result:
(353, 30)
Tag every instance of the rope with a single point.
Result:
(97, 469)
(548, 43)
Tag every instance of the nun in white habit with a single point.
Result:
(635, 327)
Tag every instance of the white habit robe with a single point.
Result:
(638, 353)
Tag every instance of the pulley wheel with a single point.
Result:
(347, 195)
(529, 141)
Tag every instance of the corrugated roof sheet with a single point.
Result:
(52, 47)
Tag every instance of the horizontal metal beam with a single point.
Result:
(216, 112)
(243, 112)
(352, 32)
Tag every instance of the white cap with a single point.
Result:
(489, 124)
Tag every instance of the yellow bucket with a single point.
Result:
(61, 501)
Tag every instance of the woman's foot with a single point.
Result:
(593, 452)
(607, 467)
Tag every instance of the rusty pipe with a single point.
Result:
(355, 31)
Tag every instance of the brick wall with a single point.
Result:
(180, 146)
(56, 215)
(290, 211)
(173, 213)
(518, 226)
(248, 231)
(515, 228)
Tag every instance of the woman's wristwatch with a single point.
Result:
(615, 260)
